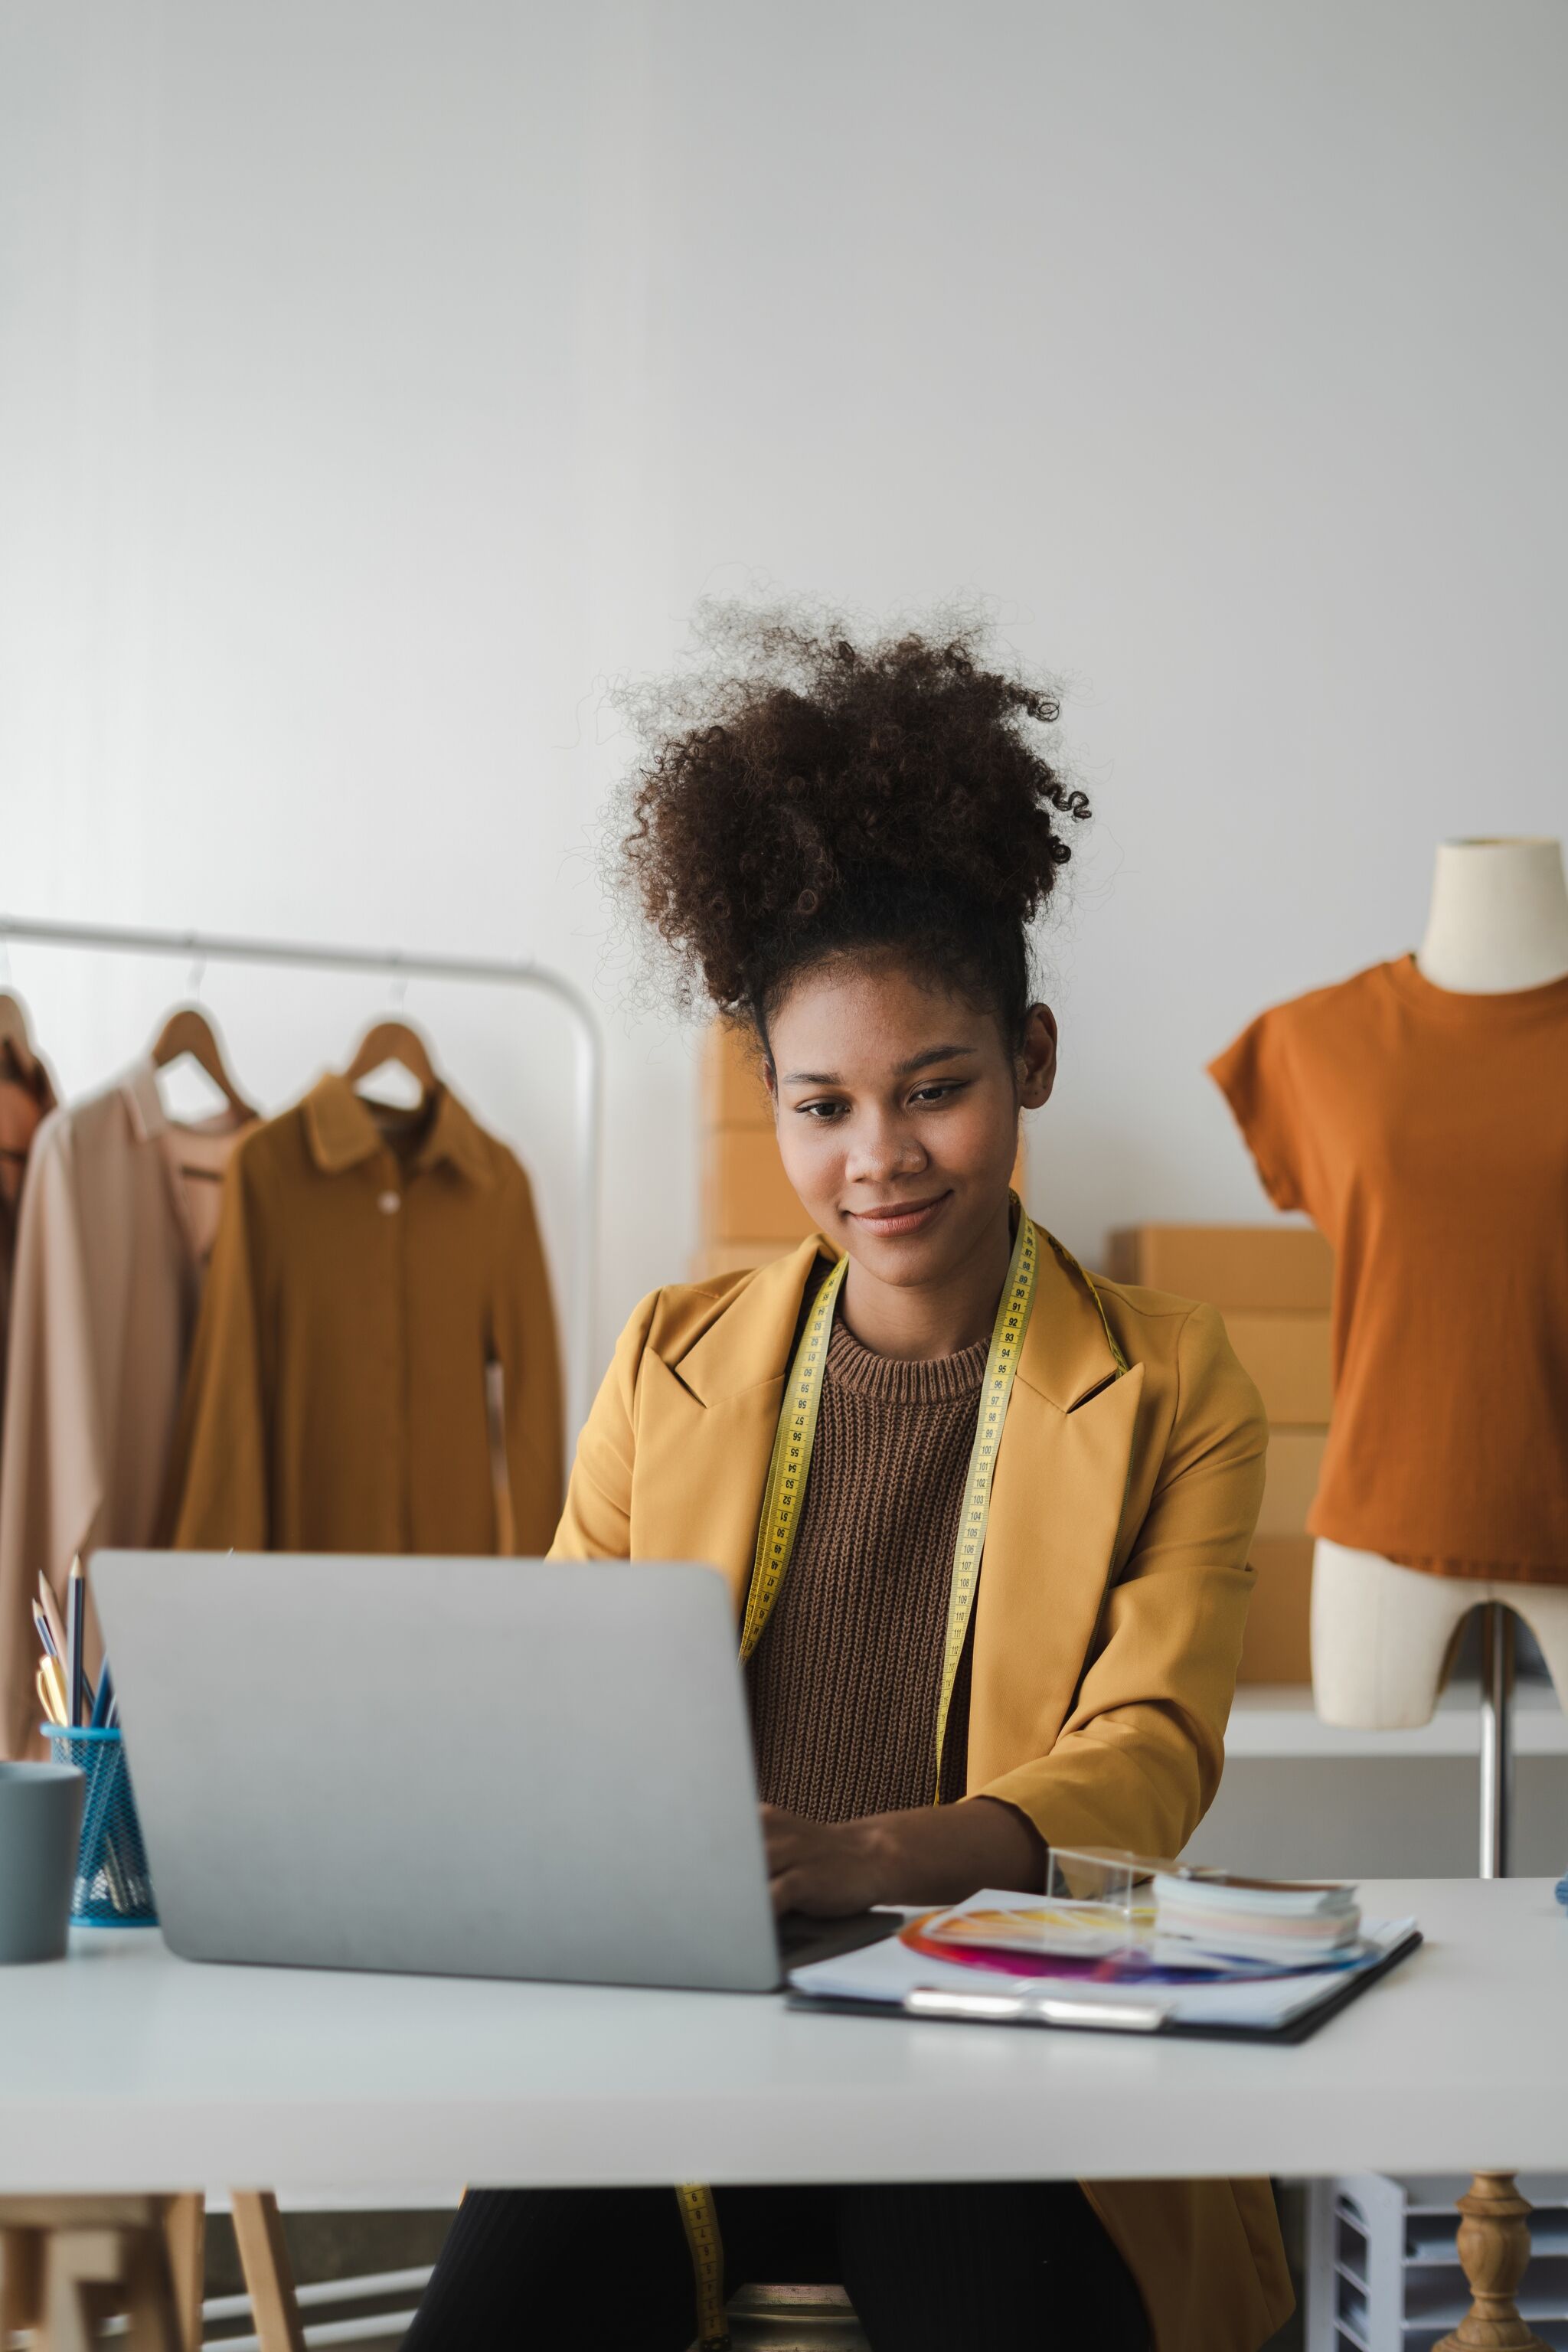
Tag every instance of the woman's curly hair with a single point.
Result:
(810, 794)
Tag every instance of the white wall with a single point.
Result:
(376, 378)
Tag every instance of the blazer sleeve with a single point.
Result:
(1139, 1756)
(597, 1523)
(219, 1484)
(525, 1337)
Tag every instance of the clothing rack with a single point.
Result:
(203, 946)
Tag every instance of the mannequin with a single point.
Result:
(1383, 1635)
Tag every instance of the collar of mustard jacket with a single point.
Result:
(342, 1132)
(711, 1406)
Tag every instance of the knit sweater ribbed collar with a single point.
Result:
(900, 1380)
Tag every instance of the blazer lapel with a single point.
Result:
(706, 1424)
(1055, 1508)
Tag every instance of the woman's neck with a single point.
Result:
(936, 1318)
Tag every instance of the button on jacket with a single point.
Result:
(376, 1365)
(1106, 1626)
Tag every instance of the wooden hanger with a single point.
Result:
(188, 1030)
(394, 1041)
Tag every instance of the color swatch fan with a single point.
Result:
(1256, 1918)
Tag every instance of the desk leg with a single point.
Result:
(184, 2225)
(1494, 2252)
(153, 2320)
(264, 2258)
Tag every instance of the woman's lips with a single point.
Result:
(897, 1217)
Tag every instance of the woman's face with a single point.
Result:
(898, 1110)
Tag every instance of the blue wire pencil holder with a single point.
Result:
(112, 1888)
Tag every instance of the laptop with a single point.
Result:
(488, 1768)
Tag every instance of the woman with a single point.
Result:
(843, 846)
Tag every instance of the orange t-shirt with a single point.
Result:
(1425, 1134)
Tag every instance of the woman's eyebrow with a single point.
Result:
(902, 1069)
(933, 1053)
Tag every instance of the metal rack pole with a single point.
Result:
(1497, 1738)
(587, 1051)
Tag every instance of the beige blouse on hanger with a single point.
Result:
(117, 1222)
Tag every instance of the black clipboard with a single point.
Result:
(1294, 2030)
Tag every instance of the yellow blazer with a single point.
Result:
(1107, 1627)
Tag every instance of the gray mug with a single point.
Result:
(41, 1827)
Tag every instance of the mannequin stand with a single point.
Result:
(1494, 2234)
(1494, 2252)
(1497, 1738)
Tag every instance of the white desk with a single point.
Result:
(124, 2068)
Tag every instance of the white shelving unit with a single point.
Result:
(1383, 2267)
(1304, 1799)
(1277, 1721)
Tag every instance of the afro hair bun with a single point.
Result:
(810, 792)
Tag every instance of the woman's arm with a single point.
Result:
(1139, 1758)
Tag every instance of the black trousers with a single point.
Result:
(989, 2266)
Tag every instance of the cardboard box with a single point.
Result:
(1288, 1356)
(1277, 1646)
(734, 1093)
(744, 1188)
(737, 1257)
(1273, 1269)
(1295, 1457)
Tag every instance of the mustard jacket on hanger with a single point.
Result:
(375, 1369)
(1107, 1628)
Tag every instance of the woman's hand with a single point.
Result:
(828, 1868)
(936, 1853)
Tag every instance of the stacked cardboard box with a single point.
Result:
(1272, 1284)
(750, 1213)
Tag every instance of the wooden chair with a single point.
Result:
(68, 2263)
(765, 2317)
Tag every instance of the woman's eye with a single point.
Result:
(939, 1093)
(820, 1111)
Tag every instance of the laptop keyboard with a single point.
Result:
(803, 1938)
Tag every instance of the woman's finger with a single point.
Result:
(784, 1886)
(782, 1834)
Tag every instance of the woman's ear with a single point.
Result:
(1036, 1062)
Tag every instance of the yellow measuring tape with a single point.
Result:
(782, 1496)
(789, 1463)
(796, 1432)
(701, 2223)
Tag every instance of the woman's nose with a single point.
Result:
(884, 1151)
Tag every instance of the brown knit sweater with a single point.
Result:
(845, 1681)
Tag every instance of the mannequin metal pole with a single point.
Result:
(1497, 1738)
